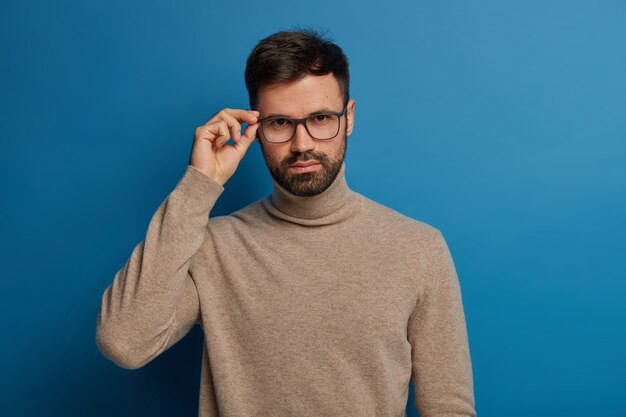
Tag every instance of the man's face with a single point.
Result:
(305, 166)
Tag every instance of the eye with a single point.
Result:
(319, 119)
(280, 122)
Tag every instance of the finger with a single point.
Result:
(249, 116)
(209, 132)
(252, 116)
(233, 124)
(238, 114)
(224, 134)
(217, 133)
(246, 139)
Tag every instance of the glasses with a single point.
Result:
(320, 126)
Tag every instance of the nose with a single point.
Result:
(302, 141)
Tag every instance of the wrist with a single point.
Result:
(211, 174)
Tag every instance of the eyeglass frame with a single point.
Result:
(302, 121)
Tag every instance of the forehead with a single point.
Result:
(301, 97)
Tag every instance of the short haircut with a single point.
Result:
(287, 56)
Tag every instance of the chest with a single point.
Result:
(312, 291)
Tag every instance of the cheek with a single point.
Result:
(274, 154)
(333, 149)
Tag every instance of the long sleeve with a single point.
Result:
(442, 370)
(152, 302)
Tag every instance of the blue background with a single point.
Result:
(501, 123)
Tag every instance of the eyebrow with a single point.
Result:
(319, 111)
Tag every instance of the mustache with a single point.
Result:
(305, 156)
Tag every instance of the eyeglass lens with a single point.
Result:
(320, 126)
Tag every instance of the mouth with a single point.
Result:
(305, 166)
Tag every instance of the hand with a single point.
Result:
(211, 155)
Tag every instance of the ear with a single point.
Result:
(350, 116)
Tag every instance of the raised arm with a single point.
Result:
(442, 370)
(153, 302)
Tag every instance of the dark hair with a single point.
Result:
(290, 55)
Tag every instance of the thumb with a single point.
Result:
(246, 139)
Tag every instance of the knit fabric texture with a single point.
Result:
(310, 306)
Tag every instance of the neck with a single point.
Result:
(328, 206)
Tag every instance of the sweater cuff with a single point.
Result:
(200, 190)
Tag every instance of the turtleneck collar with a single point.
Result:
(334, 204)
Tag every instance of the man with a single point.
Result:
(315, 301)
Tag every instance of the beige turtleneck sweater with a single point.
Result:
(310, 306)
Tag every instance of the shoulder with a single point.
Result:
(387, 217)
(247, 216)
(224, 232)
(404, 233)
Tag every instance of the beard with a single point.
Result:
(308, 184)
